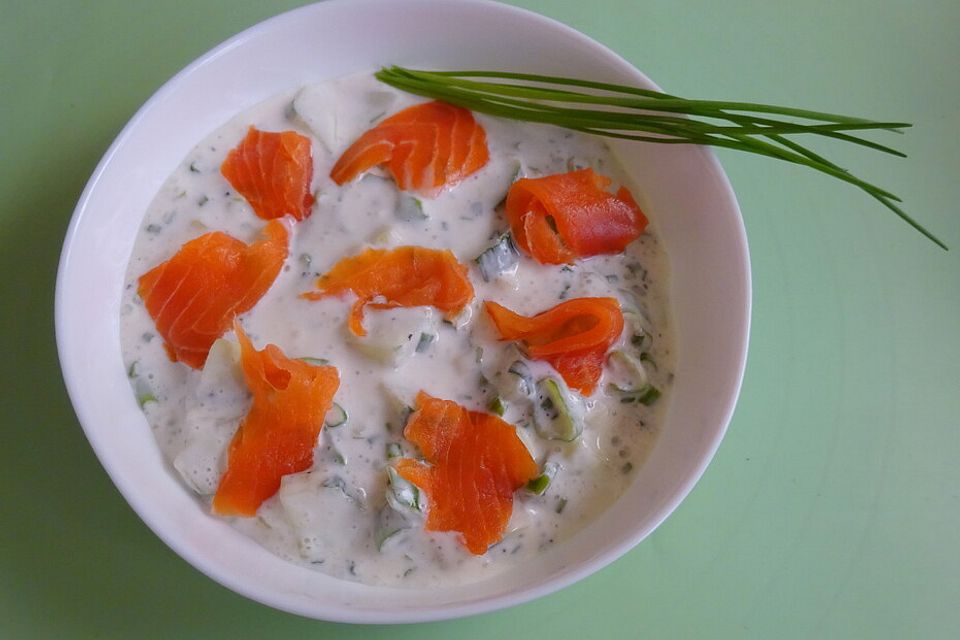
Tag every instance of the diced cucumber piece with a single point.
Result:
(539, 484)
(400, 400)
(213, 411)
(497, 406)
(499, 259)
(629, 379)
(555, 413)
(645, 396)
(626, 373)
(310, 502)
(402, 495)
(393, 451)
(410, 209)
(336, 416)
(388, 236)
(317, 362)
(334, 120)
(522, 371)
(390, 522)
(394, 334)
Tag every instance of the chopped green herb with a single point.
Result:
(648, 395)
(144, 398)
(426, 339)
(648, 359)
(561, 505)
(539, 484)
(497, 406)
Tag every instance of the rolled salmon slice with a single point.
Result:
(475, 463)
(426, 148)
(573, 336)
(273, 171)
(194, 296)
(562, 217)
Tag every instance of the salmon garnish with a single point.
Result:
(278, 435)
(426, 148)
(559, 218)
(573, 336)
(273, 171)
(477, 461)
(401, 277)
(195, 295)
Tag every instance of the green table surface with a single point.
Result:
(832, 508)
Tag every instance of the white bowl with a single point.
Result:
(688, 197)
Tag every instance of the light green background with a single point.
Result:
(833, 505)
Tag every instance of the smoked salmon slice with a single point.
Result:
(573, 336)
(273, 172)
(559, 218)
(477, 461)
(425, 147)
(401, 277)
(195, 295)
(278, 435)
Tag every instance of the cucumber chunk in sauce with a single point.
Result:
(336, 416)
(393, 335)
(213, 414)
(501, 258)
(557, 414)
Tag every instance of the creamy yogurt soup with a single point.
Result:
(336, 517)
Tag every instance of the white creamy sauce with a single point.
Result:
(334, 517)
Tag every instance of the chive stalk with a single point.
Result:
(652, 116)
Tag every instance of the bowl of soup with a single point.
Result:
(376, 522)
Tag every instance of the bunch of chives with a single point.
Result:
(620, 111)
